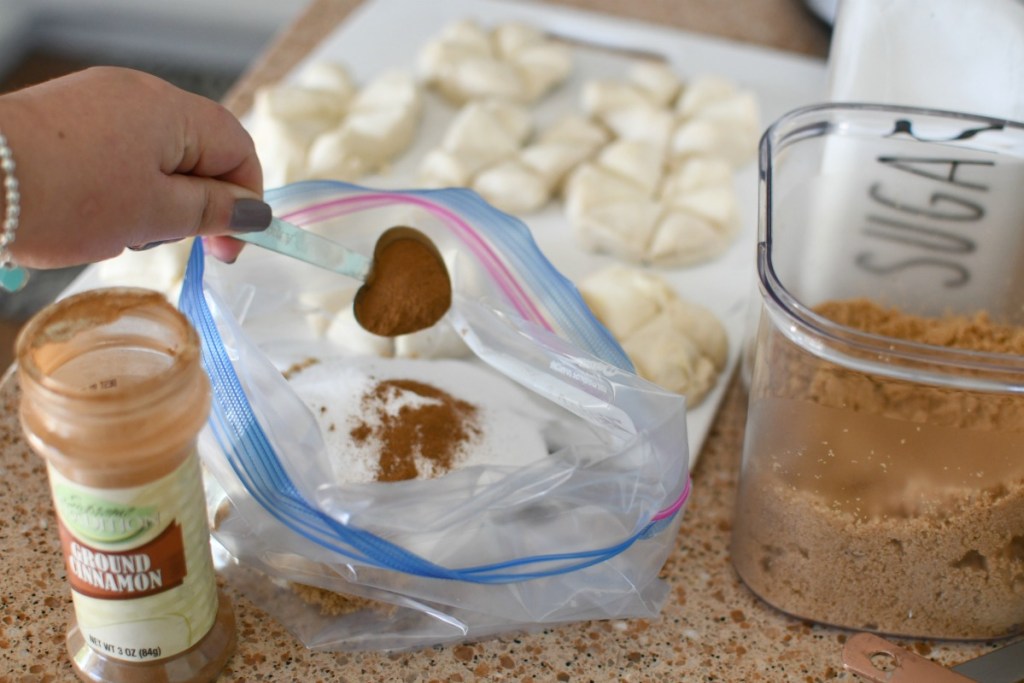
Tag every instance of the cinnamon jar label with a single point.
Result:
(138, 563)
(153, 568)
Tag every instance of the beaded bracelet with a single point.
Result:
(12, 278)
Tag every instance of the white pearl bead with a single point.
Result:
(12, 210)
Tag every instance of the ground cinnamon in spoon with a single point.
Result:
(407, 289)
(418, 427)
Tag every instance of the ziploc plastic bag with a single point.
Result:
(576, 531)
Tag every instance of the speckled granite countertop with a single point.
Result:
(711, 629)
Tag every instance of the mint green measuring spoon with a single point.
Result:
(291, 240)
(406, 286)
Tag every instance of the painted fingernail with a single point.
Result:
(250, 215)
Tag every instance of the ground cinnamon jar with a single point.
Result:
(113, 397)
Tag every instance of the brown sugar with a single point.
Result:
(877, 503)
(333, 604)
(974, 333)
(296, 368)
(434, 428)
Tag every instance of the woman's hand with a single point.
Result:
(109, 158)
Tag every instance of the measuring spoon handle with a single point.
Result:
(291, 240)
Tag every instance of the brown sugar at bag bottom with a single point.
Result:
(333, 604)
(330, 604)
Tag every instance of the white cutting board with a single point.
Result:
(388, 34)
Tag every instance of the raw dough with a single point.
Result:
(675, 343)
(514, 61)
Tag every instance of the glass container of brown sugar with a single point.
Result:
(113, 397)
(882, 483)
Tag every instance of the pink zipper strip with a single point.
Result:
(498, 271)
(677, 505)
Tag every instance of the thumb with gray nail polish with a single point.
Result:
(250, 215)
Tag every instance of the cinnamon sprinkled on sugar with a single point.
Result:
(420, 435)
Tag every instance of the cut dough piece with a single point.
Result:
(511, 37)
(640, 163)
(717, 205)
(702, 214)
(553, 161)
(642, 123)
(474, 78)
(347, 334)
(322, 307)
(717, 118)
(695, 174)
(382, 119)
(624, 307)
(442, 169)
(514, 61)
(457, 42)
(576, 129)
(657, 80)
(601, 96)
(516, 120)
(684, 239)
(376, 136)
(562, 147)
(698, 216)
(483, 149)
(333, 156)
(286, 102)
(591, 185)
(701, 92)
(623, 229)
(484, 133)
(282, 148)
(479, 150)
(286, 118)
(468, 34)
(320, 129)
(438, 341)
(694, 139)
(542, 67)
(330, 77)
(662, 353)
(672, 342)
(512, 187)
(704, 328)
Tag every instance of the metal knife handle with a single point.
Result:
(863, 650)
(291, 240)
(1005, 664)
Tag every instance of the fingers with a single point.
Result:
(218, 147)
(121, 158)
(225, 249)
(189, 206)
(215, 145)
